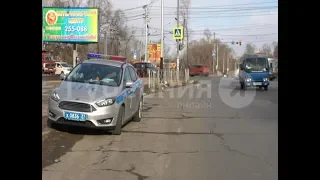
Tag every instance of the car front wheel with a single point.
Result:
(137, 117)
(117, 130)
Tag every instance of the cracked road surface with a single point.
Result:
(178, 139)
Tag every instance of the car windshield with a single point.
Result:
(256, 64)
(96, 74)
(65, 65)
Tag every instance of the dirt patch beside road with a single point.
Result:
(44, 122)
(55, 144)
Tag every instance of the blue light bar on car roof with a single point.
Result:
(94, 55)
(108, 57)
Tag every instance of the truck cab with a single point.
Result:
(254, 72)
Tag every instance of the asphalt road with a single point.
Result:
(234, 136)
(46, 77)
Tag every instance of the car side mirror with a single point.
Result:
(129, 84)
(63, 76)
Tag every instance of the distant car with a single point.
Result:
(142, 68)
(197, 70)
(62, 68)
(97, 93)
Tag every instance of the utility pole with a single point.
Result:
(106, 42)
(187, 43)
(147, 32)
(228, 64)
(223, 57)
(217, 57)
(214, 50)
(162, 36)
(178, 41)
(184, 27)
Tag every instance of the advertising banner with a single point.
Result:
(70, 25)
(154, 53)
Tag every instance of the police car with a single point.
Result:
(101, 92)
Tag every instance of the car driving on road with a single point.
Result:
(196, 70)
(98, 93)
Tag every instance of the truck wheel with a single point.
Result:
(266, 88)
(117, 130)
(242, 86)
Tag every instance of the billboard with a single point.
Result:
(154, 53)
(70, 25)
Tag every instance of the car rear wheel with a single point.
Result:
(117, 130)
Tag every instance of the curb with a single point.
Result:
(54, 81)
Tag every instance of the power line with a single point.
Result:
(247, 34)
(213, 11)
(234, 28)
(215, 16)
(230, 5)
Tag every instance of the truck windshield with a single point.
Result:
(49, 65)
(96, 74)
(256, 64)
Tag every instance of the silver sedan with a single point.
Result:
(98, 93)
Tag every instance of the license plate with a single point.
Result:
(257, 83)
(75, 116)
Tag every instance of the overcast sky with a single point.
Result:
(254, 21)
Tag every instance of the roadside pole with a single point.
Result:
(178, 42)
(74, 54)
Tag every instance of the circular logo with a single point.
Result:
(231, 93)
(51, 17)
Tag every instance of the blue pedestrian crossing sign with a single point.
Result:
(178, 32)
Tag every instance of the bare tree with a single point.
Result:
(250, 49)
(208, 35)
(266, 49)
(275, 51)
(184, 11)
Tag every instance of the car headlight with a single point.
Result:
(248, 79)
(105, 102)
(54, 96)
(265, 79)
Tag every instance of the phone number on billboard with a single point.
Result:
(75, 28)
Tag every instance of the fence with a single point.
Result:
(158, 78)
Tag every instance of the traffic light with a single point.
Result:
(240, 42)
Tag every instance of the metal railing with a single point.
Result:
(157, 78)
